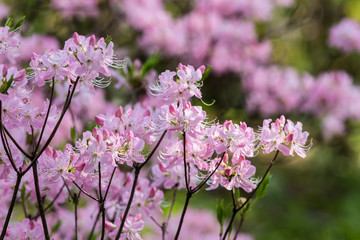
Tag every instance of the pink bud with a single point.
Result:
(31, 224)
(152, 192)
(76, 38)
(147, 113)
(202, 68)
(138, 217)
(55, 154)
(95, 132)
(19, 76)
(162, 167)
(289, 137)
(181, 67)
(187, 105)
(226, 158)
(48, 151)
(4, 70)
(99, 120)
(105, 134)
(227, 124)
(92, 40)
(98, 138)
(119, 112)
(80, 167)
(109, 225)
(243, 126)
(280, 122)
(137, 64)
(282, 119)
(172, 110)
(227, 171)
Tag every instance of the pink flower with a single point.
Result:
(79, 8)
(8, 39)
(27, 230)
(287, 138)
(345, 35)
(237, 174)
(133, 224)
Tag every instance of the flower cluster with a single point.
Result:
(186, 149)
(8, 39)
(345, 35)
(219, 32)
(82, 58)
(331, 96)
(78, 8)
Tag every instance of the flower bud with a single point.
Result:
(105, 134)
(109, 225)
(226, 158)
(55, 154)
(80, 167)
(95, 132)
(99, 120)
(228, 171)
(152, 192)
(48, 151)
(289, 137)
(172, 110)
(241, 201)
(92, 40)
(119, 112)
(76, 38)
(137, 64)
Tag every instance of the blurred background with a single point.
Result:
(269, 57)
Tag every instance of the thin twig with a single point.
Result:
(236, 210)
(186, 174)
(46, 117)
(86, 193)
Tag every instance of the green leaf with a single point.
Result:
(206, 73)
(108, 39)
(73, 134)
(220, 211)
(8, 22)
(56, 227)
(93, 237)
(6, 85)
(152, 61)
(247, 207)
(28, 195)
(220, 214)
(131, 70)
(237, 194)
(18, 24)
(260, 193)
(22, 193)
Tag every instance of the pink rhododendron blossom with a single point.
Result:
(79, 8)
(345, 35)
(25, 230)
(82, 58)
(237, 173)
(133, 224)
(8, 39)
(285, 137)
